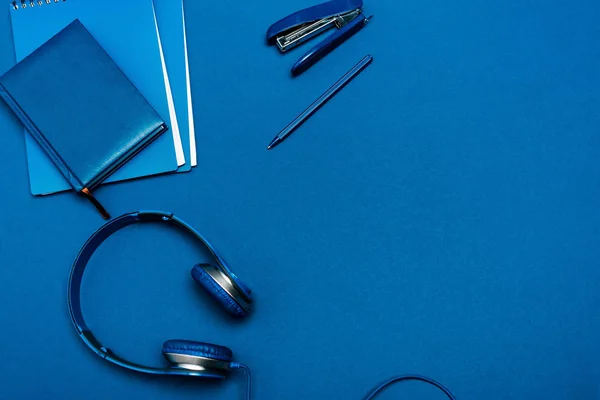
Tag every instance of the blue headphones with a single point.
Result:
(186, 357)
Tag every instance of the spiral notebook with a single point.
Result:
(130, 37)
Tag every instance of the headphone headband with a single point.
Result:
(76, 277)
(74, 301)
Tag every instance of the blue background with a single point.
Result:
(439, 216)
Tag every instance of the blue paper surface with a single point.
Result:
(438, 216)
(129, 37)
(171, 27)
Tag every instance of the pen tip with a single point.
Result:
(274, 143)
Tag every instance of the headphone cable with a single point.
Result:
(236, 365)
(371, 395)
(425, 379)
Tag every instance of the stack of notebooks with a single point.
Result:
(103, 91)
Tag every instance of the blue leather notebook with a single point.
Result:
(129, 36)
(80, 107)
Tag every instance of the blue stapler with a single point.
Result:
(303, 25)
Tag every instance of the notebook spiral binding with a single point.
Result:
(30, 3)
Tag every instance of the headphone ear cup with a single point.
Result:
(209, 359)
(216, 291)
(197, 349)
(245, 289)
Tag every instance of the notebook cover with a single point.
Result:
(129, 37)
(80, 107)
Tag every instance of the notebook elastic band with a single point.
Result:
(86, 192)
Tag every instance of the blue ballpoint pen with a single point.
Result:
(345, 17)
(320, 101)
